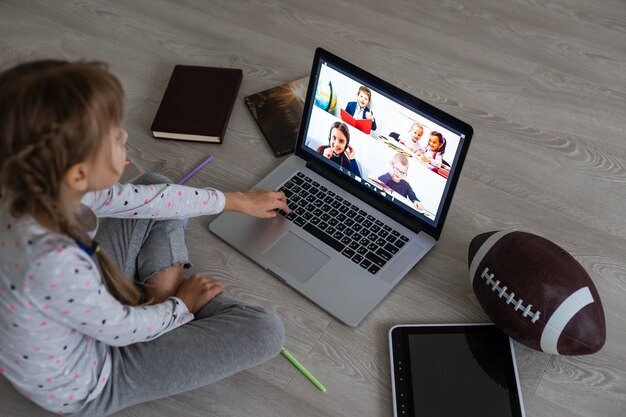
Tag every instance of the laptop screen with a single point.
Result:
(389, 144)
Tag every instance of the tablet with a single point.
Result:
(453, 370)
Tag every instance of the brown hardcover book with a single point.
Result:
(197, 103)
(278, 111)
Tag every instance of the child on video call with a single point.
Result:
(91, 328)
(339, 149)
(359, 109)
(394, 179)
(434, 150)
(416, 131)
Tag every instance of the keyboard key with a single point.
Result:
(335, 244)
(346, 240)
(292, 215)
(361, 250)
(366, 263)
(399, 243)
(299, 221)
(377, 260)
(391, 249)
(357, 258)
(373, 269)
(404, 238)
(348, 252)
(383, 254)
(395, 233)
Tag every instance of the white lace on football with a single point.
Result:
(518, 305)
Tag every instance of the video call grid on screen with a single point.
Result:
(374, 151)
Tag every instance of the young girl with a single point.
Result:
(77, 336)
(339, 149)
(416, 131)
(433, 152)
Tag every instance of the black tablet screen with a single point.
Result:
(469, 372)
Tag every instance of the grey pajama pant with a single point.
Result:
(226, 337)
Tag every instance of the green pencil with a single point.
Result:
(302, 369)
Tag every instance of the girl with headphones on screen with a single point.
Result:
(339, 149)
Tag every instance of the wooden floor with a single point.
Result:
(543, 82)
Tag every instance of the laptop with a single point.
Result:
(366, 204)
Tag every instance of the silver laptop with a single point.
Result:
(368, 195)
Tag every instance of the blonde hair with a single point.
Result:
(401, 159)
(418, 125)
(53, 115)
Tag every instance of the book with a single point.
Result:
(197, 103)
(278, 112)
(364, 125)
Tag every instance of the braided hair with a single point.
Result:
(53, 115)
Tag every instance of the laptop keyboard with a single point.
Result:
(340, 224)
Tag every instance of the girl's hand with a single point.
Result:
(257, 203)
(349, 152)
(328, 152)
(197, 290)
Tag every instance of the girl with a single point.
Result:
(339, 149)
(433, 152)
(70, 320)
(416, 131)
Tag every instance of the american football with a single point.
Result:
(536, 292)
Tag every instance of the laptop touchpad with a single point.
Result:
(296, 257)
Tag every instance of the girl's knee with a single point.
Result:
(269, 329)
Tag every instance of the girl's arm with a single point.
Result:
(159, 201)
